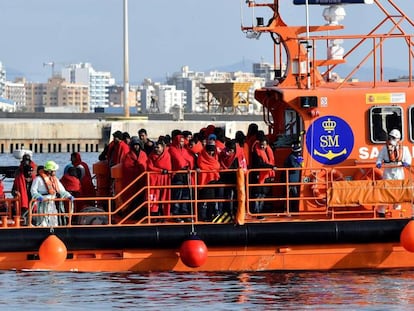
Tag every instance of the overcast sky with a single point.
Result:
(164, 35)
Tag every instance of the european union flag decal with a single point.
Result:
(330, 140)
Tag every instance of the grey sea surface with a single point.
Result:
(334, 290)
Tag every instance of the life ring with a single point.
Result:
(368, 174)
(319, 187)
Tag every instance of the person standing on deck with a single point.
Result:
(231, 158)
(26, 160)
(159, 163)
(148, 143)
(113, 155)
(46, 187)
(208, 168)
(126, 137)
(262, 158)
(71, 181)
(398, 157)
(133, 165)
(21, 187)
(115, 151)
(294, 160)
(88, 189)
(251, 138)
(182, 160)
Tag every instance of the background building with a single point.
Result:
(98, 82)
(57, 95)
(16, 93)
(2, 80)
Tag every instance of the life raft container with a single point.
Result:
(368, 174)
(321, 180)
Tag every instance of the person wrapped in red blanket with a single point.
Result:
(208, 173)
(159, 165)
(262, 157)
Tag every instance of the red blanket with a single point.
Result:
(158, 163)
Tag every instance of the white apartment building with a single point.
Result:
(170, 98)
(2, 80)
(16, 92)
(149, 97)
(98, 82)
(190, 82)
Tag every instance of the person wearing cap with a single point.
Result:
(294, 160)
(26, 160)
(45, 188)
(133, 164)
(396, 157)
(213, 140)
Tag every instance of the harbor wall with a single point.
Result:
(91, 135)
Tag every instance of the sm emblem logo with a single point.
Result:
(330, 140)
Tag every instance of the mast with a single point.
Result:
(126, 61)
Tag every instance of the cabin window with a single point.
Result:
(411, 122)
(382, 120)
(291, 130)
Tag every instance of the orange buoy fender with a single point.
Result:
(193, 252)
(407, 236)
(53, 251)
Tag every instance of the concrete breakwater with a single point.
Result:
(69, 134)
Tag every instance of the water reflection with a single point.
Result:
(338, 290)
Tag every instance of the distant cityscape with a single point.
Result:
(79, 88)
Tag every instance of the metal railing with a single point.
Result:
(209, 203)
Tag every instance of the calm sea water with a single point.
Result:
(335, 290)
(345, 290)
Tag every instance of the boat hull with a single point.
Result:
(316, 245)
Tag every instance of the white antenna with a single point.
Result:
(308, 80)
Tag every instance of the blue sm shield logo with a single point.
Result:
(330, 140)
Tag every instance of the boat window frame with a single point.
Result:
(381, 138)
(411, 123)
(293, 122)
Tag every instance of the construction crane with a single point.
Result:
(52, 65)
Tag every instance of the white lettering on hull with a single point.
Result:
(366, 153)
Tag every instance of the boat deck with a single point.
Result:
(326, 195)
